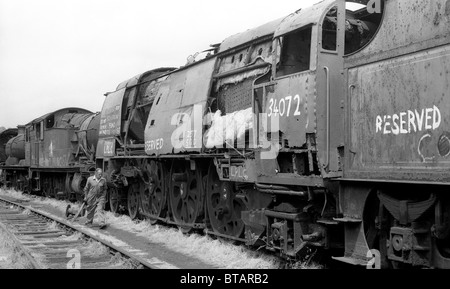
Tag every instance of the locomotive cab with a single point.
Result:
(298, 105)
(307, 77)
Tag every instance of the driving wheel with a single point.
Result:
(154, 196)
(133, 201)
(114, 200)
(224, 209)
(185, 196)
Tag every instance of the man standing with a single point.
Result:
(95, 198)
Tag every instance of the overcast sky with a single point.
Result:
(68, 53)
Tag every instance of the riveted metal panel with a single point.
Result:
(330, 96)
(399, 118)
(407, 26)
(168, 118)
(56, 148)
(293, 100)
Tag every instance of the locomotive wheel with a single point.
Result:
(114, 200)
(224, 209)
(68, 189)
(185, 196)
(154, 196)
(133, 201)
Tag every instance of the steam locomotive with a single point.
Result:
(54, 154)
(323, 130)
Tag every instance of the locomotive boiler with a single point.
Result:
(5, 136)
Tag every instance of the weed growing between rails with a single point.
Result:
(13, 193)
(58, 204)
(10, 256)
(95, 249)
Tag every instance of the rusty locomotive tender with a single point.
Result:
(322, 130)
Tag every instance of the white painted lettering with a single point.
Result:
(379, 123)
(402, 123)
(419, 120)
(436, 117)
(387, 124)
(429, 116)
(395, 129)
(409, 121)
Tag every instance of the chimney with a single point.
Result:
(21, 129)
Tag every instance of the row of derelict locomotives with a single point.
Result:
(324, 131)
(52, 155)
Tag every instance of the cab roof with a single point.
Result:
(304, 17)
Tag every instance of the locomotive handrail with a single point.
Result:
(327, 73)
(351, 88)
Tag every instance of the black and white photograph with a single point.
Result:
(230, 141)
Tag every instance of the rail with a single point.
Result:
(36, 220)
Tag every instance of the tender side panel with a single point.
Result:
(408, 26)
(400, 117)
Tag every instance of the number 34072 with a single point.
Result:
(288, 106)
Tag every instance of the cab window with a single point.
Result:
(50, 122)
(295, 54)
(329, 30)
(361, 24)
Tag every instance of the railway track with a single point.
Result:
(55, 244)
(280, 262)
